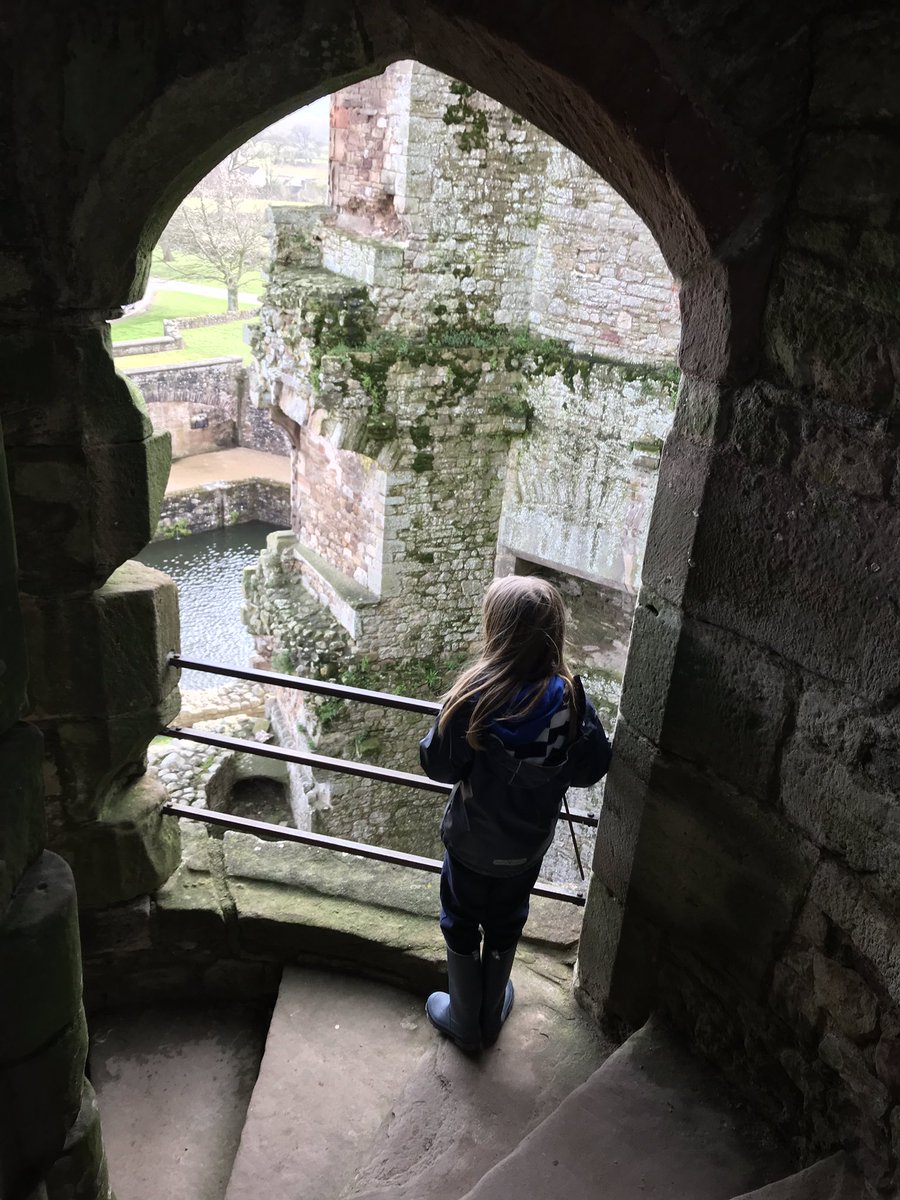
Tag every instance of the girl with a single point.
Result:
(515, 732)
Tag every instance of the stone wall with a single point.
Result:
(203, 406)
(599, 281)
(394, 340)
(216, 505)
(581, 485)
(204, 322)
(149, 345)
(467, 212)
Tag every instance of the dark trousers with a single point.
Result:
(498, 905)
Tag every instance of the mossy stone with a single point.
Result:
(128, 851)
(103, 652)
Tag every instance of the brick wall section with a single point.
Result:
(367, 148)
(338, 506)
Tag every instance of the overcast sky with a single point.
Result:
(314, 118)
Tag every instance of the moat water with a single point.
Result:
(208, 568)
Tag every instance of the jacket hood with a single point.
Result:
(516, 748)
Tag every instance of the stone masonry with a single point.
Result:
(744, 881)
(439, 435)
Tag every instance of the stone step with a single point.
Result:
(339, 1051)
(457, 1116)
(652, 1123)
(833, 1178)
(173, 1085)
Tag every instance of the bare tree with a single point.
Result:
(216, 225)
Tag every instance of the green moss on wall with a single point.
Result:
(473, 134)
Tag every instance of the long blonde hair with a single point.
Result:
(523, 631)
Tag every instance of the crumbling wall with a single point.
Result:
(488, 220)
(394, 338)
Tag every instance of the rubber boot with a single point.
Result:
(457, 1013)
(497, 992)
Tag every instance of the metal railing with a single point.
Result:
(323, 762)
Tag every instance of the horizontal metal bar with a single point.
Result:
(364, 770)
(319, 687)
(342, 765)
(284, 833)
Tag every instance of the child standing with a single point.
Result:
(515, 732)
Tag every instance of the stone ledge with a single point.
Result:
(285, 902)
(224, 360)
(342, 596)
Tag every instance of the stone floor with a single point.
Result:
(357, 1095)
(227, 466)
(357, 1098)
(173, 1087)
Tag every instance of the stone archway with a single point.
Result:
(760, 910)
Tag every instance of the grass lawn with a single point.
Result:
(166, 305)
(215, 341)
(188, 268)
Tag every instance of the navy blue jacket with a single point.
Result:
(502, 813)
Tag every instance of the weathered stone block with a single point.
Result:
(870, 925)
(22, 822)
(847, 1060)
(719, 875)
(81, 512)
(123, 929)
(621, 814)
(811, 574)
(40, 960)
(86, 761)
(103, 652)
(655, 638)
(129, 850)
(284, 923)
(855, 64)
(843, 994)
(725, 707)
(13, 671)
(764, 427)
(832, 803)
(673, 524)
(187, 913)
(40, 1096)
(847, 459)
(828, 339)
(80, 1173)
(50, 373)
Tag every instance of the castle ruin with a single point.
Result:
(472, 348)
